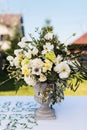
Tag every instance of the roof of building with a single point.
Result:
(10, 19)
(81, 40)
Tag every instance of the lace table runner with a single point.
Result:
(17, 115)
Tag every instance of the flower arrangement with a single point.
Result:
(45, 59)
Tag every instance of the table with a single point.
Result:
(17, 113)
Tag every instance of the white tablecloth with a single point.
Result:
(17, 113)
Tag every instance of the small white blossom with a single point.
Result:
(17, 62)
(58, 59)
(48, 47)
(18, 51)
(49, 36)
(23, 43)
(11, 60)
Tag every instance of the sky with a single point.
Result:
(66, 16)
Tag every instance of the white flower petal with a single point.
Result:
(63, 69)
(30, 80)
(49, 36)
(47, 48)
(63, 75)
(42, 78)
(36, 71)
(9, 58)
(24, 39)
(58, 59)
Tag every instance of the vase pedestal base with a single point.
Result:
(45, 113)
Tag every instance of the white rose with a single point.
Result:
(30, 80)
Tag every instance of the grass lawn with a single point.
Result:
(29, 91)
(23, 91)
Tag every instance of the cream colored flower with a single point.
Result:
(47, 65)
(25, 71)
(42, 78)
(49, 36)
(30, 80)
(37, 63)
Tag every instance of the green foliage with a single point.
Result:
(4, 76)
(14, 39)
(6, 84)
(47, 61)
(19, 83)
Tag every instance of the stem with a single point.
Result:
(4, 82)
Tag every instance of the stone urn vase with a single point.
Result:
(42, 94)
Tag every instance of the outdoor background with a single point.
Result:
(67, 17)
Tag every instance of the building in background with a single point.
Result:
(8, 23)
(80, 45)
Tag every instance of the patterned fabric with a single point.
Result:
(17, 115)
